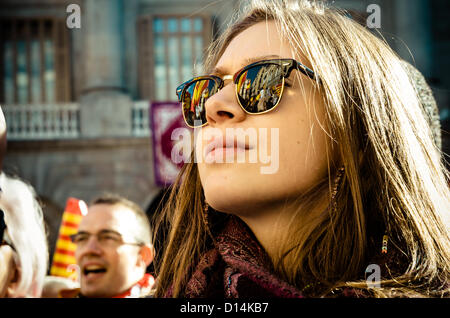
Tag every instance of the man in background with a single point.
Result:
(113, 251)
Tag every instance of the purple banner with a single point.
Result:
(164, 118)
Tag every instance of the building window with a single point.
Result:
(34, 61)
(170, 51)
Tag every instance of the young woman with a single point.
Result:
(359, 203)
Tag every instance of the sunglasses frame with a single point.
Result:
(287, 66)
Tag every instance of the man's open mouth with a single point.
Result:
(93, 269)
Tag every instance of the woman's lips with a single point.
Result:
(218, 148)
(221, 154)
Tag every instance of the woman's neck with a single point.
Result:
(270, 225)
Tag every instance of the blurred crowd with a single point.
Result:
(113, 246)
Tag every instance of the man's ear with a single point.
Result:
(147, 254)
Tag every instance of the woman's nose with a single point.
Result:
(223, 109)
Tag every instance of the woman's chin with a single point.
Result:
(233, 201)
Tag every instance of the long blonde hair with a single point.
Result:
(394, 181)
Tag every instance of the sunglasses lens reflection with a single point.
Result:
(194, 98)
(259, 88)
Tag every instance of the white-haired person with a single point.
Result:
(23, 249)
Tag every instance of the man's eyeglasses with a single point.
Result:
(259, 87)
(107, 238)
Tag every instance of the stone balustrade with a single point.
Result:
(62, 121)
(42, 121)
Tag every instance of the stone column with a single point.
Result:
(105, 108)
(130, 10)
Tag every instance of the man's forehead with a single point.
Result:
(107, 216)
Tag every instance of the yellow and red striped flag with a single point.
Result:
(64, 263)
(199, 87)
(242, 81)
(278, 89)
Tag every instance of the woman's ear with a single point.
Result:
(147, 253)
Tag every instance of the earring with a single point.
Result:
(205, 213)
(337, 181)
(385, 242)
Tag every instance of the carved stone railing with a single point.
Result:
(62, 121)
(42, 121)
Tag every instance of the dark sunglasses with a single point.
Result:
(259, 87)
